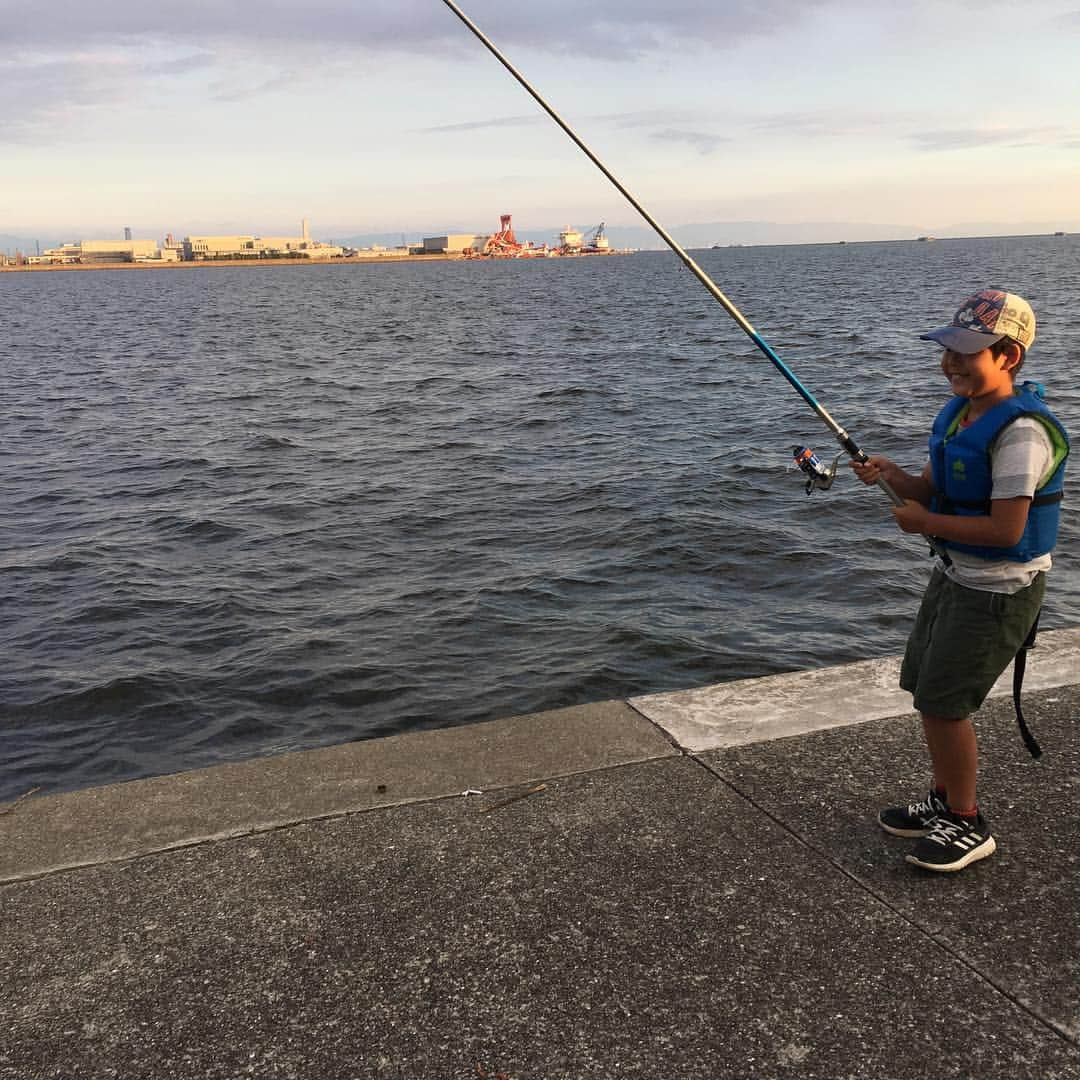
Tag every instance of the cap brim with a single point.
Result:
(959, 340)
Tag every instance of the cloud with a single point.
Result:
(838, 123)
(704, 142)
(641, 119)
(49, 92)
(620, 27)
(1069, 20)
(232, 90)
(244, 48)
(184, 65)
(651, 118)
(501, 122)
(976, 138)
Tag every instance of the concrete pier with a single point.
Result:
(678, 885)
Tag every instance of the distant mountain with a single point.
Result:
(702, 234)
(366, 240)
(695, 235)
(706, 234)
(1004, 228)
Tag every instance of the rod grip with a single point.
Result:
(895, 499)
(861, 456)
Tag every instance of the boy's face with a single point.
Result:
(976, 375)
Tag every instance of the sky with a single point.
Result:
(384, 116)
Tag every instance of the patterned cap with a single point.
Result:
(984, 319)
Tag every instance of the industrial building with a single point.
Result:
(501, 244)
(106, 251)
(219, 247)
(124, 251)
(192, 248)
(453, 245)
(260, 247)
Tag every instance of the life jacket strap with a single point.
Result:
(947, 505)
(1019, 666)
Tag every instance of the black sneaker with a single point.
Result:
(953, 843)
(915, 819)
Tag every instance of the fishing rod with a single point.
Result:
(820, 476)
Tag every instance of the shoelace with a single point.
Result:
(923, 809)
(946, 831)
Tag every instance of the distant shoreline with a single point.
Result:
(187, 265)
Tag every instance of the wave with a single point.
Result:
(271, 442)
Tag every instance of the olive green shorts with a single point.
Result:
(963, 639)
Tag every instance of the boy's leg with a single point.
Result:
(954, 754)
(954, 760)
(961, 642)
(959, 835)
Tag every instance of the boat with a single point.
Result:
(598, 243)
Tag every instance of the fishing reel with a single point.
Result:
(819, 476)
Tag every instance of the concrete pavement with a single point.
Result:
(678, 886)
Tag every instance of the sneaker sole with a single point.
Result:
(910, 834)
(988, 847)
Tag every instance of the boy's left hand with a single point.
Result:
(912, 517)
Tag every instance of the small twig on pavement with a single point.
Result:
(24, 795)
(514, 798)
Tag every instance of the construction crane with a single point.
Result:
(504, 242)
(598, 241)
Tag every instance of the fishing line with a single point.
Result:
(842, 437)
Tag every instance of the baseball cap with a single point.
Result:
(984, 319)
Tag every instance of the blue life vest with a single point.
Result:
(960, 459)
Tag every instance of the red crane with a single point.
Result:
(504, 242)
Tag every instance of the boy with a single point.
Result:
(990, 497)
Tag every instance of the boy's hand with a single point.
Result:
(912, 516)
(873, 469)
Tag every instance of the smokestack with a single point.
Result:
(304, 230)
(127, 233)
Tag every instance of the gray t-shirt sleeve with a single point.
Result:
(1022, 458)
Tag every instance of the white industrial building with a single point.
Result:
(453, 244)
(260, 247)
(192, 248)
(105, 251)
(218, 247)
(122, 250)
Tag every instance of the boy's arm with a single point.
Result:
(1002, 527)
(1022, 456)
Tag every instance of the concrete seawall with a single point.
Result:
(688, 884)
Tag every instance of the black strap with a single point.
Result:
(1019, 664)
(948, 506)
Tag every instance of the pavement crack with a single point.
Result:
(881, 898)
(659, 728)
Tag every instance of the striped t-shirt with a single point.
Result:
(1021, 458)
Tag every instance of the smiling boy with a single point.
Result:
(990, 496)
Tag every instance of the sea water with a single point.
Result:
(256, 509)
